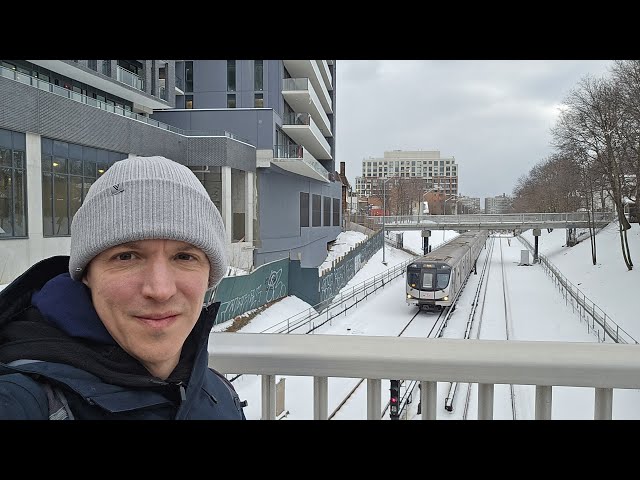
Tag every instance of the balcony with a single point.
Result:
(300, 94)
(309, 69)
(129, 78)
(101, 79)
(304, 131)
(296, 159)
(95, 103)
(326, 73)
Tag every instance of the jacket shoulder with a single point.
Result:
(223, 393)
(22, 398)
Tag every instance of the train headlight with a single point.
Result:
(409, 295)
(445, 298)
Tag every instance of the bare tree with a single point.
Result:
(626, 73)
(595, 122)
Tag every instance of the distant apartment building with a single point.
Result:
(259, 134)
(470, 205)
(498, 204)
(439, 173)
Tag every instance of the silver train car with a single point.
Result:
(434, 280)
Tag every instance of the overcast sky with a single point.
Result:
(493, 116)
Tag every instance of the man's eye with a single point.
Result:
(124, 256)
(184, 256)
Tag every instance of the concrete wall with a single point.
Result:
(279, 217)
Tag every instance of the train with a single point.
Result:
(434, 280)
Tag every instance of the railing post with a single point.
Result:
(485, 401)
(543, 402)
(603, 404)
(373, 398)
(320, 398)
(268, 397)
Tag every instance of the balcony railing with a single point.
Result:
(287, 151)
(297, 119)
(295, 84)
(129, 78)
(297, 152)
(92, 102)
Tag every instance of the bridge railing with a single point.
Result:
(544, 364)
(510, 219)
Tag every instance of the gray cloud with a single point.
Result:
(494, 117)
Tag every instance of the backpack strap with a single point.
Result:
(58, 406)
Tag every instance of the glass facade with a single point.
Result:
(68, 170)
(13, 183)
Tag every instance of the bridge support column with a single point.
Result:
(425, 241)
(536, 234)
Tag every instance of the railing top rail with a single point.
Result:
(578, 364)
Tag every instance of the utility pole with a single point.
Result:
(384, 214)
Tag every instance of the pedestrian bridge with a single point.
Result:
(519, 222)
(545, 364)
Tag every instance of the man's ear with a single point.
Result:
(84, 276)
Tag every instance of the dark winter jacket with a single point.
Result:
(51, 340)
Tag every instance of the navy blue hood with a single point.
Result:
(67, 304)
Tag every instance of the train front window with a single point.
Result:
(427, 279)
(443, 280)
(413, 278)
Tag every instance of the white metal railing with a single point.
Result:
(601, 366)
(584, 306)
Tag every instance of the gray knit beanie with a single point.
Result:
(147, 198)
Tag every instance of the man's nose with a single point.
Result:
(159, 280)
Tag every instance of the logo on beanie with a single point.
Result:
(116, 189)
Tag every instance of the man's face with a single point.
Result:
(149, 295)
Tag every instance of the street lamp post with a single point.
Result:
(444, 205)
(384, 214)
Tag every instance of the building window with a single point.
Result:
(231, 76)
(211, 179)
(188, 101)
(231, 100)
(336, 212)
(326, 219)
(304, 209)
(13, 195)
(258, 80)
(316, 211)
(258, 101)
(188, 76)
(68, 170)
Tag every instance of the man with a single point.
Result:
(117, 330)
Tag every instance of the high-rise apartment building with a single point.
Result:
(439, 173)
(258, 133)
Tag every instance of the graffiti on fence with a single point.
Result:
(333, 281)
(272, 289)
